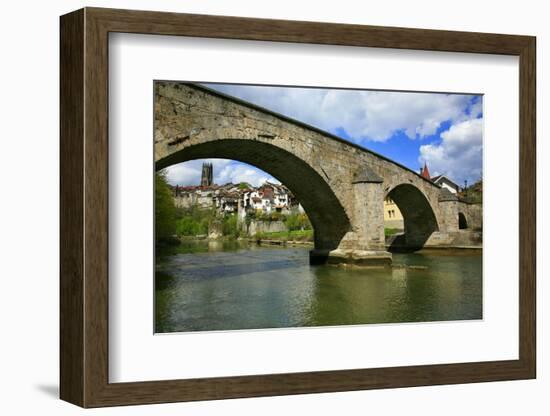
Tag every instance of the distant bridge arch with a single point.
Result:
(419, 218)
(341, 186)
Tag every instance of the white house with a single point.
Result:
(230, 198)
(444, 182)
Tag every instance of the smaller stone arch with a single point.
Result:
(418, 217)
(462, 221)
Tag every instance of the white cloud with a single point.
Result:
(238, 172)
(364, 115)
(225, 170)
(459, 155)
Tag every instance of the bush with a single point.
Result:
(250, 216)
(193, 221)
(230, 226)
(297, 222)
(188, 226)
(165, 211)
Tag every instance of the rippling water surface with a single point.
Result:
(205, 286)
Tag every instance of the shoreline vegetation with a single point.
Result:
(173, 224)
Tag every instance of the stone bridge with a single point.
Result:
(340, 185)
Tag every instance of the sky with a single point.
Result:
(443, 130)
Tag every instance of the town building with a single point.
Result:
(188, 196)
(232, 198)
(392, 215)
(446, 183)
(269, 197)
(441, 180)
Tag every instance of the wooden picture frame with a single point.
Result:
(84, 207)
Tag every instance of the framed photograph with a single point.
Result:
(255, 207)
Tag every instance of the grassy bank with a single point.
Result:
(391, 231)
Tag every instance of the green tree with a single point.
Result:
(297, 222)
(194, 221)
(474, 193)
(165, 211)
(230, 226)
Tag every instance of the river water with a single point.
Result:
(205, 286)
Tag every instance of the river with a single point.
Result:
(226, 285)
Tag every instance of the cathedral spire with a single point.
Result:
(207, 174)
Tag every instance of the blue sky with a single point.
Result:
(443, 130)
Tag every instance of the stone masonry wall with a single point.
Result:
(264, 227)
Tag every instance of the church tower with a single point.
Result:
(207, 176)
(424, 172)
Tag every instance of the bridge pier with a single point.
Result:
(448, 207)
(365, 244)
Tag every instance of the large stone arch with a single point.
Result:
(419, 217)
(326, 213)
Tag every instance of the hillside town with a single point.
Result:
(232, 198)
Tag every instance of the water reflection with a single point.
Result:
(231, 285)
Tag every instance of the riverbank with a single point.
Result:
(285, 238)
(282, 242)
